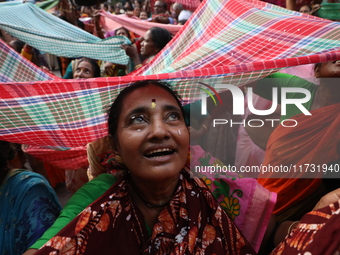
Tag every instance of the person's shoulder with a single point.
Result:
(102, 182)
(289, 80)
(27, 176)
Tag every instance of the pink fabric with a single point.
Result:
(255, 202)
(111, 22)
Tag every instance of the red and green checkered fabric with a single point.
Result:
(225, 42)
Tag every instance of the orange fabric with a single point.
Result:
(64, 64)
(313, 141)
(27, 55)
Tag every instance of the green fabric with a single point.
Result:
(48, 33)
(69, 72)
(282, 80)
(88, 193)
(46, 5)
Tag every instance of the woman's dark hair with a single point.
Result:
(130, 8)
(127, 31)
(7, 153)
(94, 64)
(316, 66)
(117, 106)
(17, 45)
(88, 2)
(160, 37)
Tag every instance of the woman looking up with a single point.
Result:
(155, 206)
(86, 68)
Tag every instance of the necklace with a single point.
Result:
(150, 205)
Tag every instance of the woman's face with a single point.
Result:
(305, 9)
(143, 15)
(122, 32)
(152, 137)
(136, 11)
(84, 71)
(328, 70)
(148, 48)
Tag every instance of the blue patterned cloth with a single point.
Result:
(28, 207)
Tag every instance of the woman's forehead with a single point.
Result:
(148, 94)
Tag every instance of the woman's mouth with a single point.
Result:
(159, 153)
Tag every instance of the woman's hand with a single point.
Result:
(328, 199)
(109, 69)
(96, 20)
(132, 52)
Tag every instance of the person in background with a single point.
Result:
(179, 14)
(152, 42)
(82, 68)
(112, 9)
(29, 53)
(314, 141)
(111, 69)
(105, 7)
(161, 14)
(128, 6)
(143, 15)
(136, 11)
(29, 205)
(86, 68)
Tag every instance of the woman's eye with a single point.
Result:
(87, 71)
(137, 119)
(173, 116)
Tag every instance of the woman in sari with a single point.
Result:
(155, 206)
(29, 205)
(313, 143)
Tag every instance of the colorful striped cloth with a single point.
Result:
(246, 36)
(110, 22)
(225, 42)
(14, 68)
(51, 34)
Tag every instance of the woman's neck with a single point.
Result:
(151, 198)
(153, 194)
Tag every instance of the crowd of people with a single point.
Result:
(140, 196)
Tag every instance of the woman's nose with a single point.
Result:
(80, 74)
(159, 130)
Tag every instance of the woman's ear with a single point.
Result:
(317, 71)
(114, 144)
